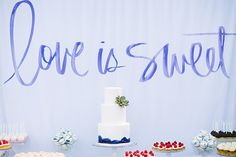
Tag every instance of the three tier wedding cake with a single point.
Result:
(113, 128)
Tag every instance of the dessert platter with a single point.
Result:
(224, 135)
(4, 145)
(105, 145)
(227, 149)
(139, 153)
(168, 146)
(18, 139)
(39, 154)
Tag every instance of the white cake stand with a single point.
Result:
(168, 153)
(115, 147)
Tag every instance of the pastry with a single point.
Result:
(4, 145)
(139, 153)
(40, 154)
(224, 134)
(168, 146)
(227, 149)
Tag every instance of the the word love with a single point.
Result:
(109, 63)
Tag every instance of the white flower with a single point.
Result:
(62, 141)
(206, 138)
(211, 144)
(203, 144)
(65, 139)
(195, 142)
(204, 141)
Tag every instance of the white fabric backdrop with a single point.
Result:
(162, 108)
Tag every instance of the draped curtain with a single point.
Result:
(161, 108)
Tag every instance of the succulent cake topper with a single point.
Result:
(121, 101)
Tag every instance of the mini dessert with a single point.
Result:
(40, 154)
(139, 153)
(168, 146)
(204, 141)
(4, 145)
(227, 149)
(18, 139)
(224, 134)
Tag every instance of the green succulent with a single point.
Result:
(121, 101)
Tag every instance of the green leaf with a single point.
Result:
(121, 101)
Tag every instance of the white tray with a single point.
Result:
(115, 145)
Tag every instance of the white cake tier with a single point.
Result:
(114, 131)
(110, 94)
(113, 113)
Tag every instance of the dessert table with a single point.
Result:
(176, 156)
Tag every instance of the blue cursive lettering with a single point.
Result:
(108, 67)
(110, 63)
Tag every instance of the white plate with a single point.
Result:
(115, 145)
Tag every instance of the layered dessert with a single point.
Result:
(224, 134)
(227, 149)
(168, 146)
(139, 153)
(113, 128)
(40, 154)
(4, 145)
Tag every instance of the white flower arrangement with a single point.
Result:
(204, 141)
(65, 139)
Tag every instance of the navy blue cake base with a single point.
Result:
(109, 141)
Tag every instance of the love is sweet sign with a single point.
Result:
(68, 58)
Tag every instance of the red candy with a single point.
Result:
(2, 142)
(138, 153)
